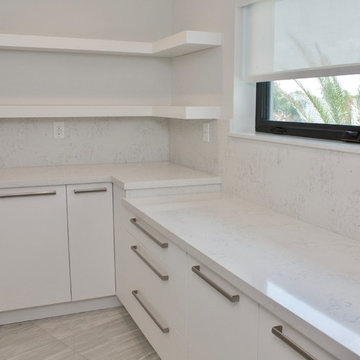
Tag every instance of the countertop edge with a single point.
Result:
(23, 177)
(137, 185)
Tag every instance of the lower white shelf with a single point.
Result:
(187, 112)
(61, 111)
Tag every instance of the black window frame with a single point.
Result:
(264, 124)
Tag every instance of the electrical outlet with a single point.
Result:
(206, 132)
(59, 130)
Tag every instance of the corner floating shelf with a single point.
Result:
(182, 43)
(187, 112)
(63, 111)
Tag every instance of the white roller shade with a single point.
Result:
(302, 38)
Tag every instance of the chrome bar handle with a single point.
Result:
(134, 248)
(231, 298)
(156, 241)
(278, 332)
(85, 191)
(40, 193)
(163, 329)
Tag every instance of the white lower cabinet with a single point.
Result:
(182, 316)
(222, 322)
(151, 284)
(34, 258)
(91, 240)
(278, 341)
(186, 310)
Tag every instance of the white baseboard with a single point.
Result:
(42, 312)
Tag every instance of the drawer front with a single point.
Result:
(147, 235)
(164, 285)
(151, 283)
(279, 341)
(151, 299)
(222, 322)
(169, 345)
(170, 259)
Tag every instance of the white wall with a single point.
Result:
(49, 78)
(315, 185)
(137, 20)
(53, 78)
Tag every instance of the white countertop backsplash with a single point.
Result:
(308, 276)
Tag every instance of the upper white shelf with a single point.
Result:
(63, 111)
(179, 44)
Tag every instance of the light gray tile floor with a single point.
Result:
(108, 334)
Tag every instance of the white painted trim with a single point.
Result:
(42, 312)
(300, 141)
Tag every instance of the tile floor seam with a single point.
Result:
(59, 340)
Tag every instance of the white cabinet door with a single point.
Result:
(34, 258)
(90, 215)
(217, 327)
(278, 341)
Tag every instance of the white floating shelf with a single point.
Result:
(179, 44)
(63, 111)
(186, 42)
(44, 111)
(187, 112)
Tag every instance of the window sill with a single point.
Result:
(299, 141)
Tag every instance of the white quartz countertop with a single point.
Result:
(306, 275)
(129, 176)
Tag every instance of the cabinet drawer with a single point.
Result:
(149, 317)
(146, 234)
(279, 341)
(222, 322)
(164, 285)
(153, 295)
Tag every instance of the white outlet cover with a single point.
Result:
(59, 130)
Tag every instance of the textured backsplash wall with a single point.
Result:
(27, 142)
(187, 148)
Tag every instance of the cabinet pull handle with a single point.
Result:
(278, 332)
(156, 241)
(134, 248)
(40, 193)
(231, 298)
(85, 191)
(163, 329)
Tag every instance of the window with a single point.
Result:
(304, 57)
(325, 107)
